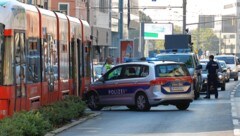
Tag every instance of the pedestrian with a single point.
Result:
(212, 67)
(107, 65)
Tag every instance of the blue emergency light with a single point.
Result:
(175, 51)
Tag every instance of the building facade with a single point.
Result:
(100, 22)
(130, 25)
(39, 3)
(231, 27)
(75, 8)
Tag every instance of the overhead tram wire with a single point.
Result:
(138, 7)
(215, 20)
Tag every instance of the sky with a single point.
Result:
(194, 8)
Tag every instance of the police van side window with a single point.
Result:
(114, 74)
(136, 71)
(144, 71)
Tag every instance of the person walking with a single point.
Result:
(107, 65)
(212, 67)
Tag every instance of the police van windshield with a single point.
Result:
(187, 59)
(228, 60)
(171, 70)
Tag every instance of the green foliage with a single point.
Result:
(144, 17)
(205, 39)
(38, 123)
(63, 111)
(25, 124)
(177, 30)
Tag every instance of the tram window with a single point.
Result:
(20, 64)
(33, 58)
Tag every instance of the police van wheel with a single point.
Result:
(183, 106)
(92, 102)
(142, 103)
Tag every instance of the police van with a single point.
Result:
(191, 61)
(141, 85)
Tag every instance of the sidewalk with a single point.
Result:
(235, 104)
(73, 123)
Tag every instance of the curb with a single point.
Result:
(74, 123)
(235, 121)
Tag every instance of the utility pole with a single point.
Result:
(120, 25)
(184, 15)
(88, 12)
(120, 22)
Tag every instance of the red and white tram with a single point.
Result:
(44, 56)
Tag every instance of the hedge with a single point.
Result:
(39, 122)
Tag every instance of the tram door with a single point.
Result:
(50, 68)
(20, 71)
(79, 66)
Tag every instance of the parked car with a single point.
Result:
(141, 85)
(226, 70)
(192, 63)
(232, 63)
(221, 77)
(223, 65)
(238, 62)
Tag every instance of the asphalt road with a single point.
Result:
(203, 118)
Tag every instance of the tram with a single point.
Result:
(44, 56)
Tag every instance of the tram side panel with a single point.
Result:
(32, 59)
(64, 55)
(50, 67)
(75, 36)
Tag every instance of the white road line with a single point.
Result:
(236, 132)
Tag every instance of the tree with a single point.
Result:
(144, 18)
(159, 44)
(205, 39)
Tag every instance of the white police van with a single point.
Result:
(141, 85)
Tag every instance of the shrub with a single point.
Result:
(25, 124)
(63, 111)
(38, 123)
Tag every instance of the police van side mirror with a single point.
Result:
(102, 79)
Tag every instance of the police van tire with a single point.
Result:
(92, 100)
(142, 103)
(183, 106)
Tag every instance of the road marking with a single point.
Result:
(235, 121)
(236, 132)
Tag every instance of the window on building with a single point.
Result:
(228, 6)
(64, 8)
(45, 5)
(232, 36)
(103, 6)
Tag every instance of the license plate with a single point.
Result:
(177, 89)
